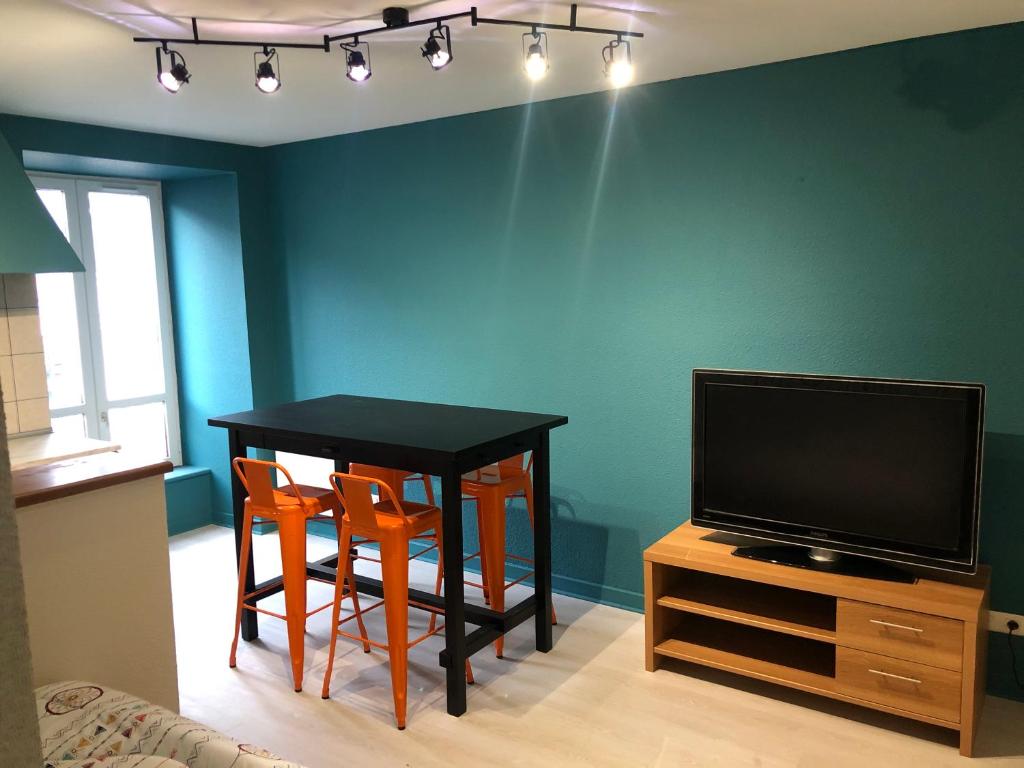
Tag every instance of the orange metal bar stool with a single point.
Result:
(396, 478)
(392, 524)
(491, 487)
(290, 508)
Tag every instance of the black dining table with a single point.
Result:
(429, 438)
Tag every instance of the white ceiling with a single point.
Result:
(75, 60)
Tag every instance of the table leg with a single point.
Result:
(542, 542)
(236, 447)
(454, 593)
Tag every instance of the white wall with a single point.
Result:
(98, 590)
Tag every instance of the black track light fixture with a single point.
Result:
(177, 75)
(437, 55)
(437, 50)
(535, 54)
(618, 62)
(357, 60)
(267, 79)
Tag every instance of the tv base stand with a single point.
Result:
(916, 650)
(846, 565)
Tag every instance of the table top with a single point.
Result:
(402, 423)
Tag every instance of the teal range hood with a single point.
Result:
(29, 239)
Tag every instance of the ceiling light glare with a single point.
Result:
(535, 55)
(618, 63)
(357, 64)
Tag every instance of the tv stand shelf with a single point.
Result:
(914, 650)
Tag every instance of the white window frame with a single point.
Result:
(76, 191)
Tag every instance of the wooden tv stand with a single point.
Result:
(914, 650)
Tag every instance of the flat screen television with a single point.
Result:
(885, 469)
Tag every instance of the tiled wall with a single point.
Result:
(22, 370)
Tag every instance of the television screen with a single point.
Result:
(884, 468)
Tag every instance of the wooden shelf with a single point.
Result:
(801, 614)
(753, 643)
(779, 624)
(744, 665)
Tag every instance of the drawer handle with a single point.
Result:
(895, 626)
(913, 680)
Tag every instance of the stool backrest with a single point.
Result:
(356, 497)
(257, 478)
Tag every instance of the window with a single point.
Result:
(107, 332)
(305, 470)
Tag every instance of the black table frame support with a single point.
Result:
(459, 645)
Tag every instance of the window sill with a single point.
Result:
(185, 472)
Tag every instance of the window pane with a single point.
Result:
(71, 426)
(58, 318)
(140, 429)
(57, 205)
(126, 287)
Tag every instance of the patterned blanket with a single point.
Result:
(85, 726)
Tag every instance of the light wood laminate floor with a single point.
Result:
(588, 703)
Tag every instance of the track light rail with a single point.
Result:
(196, 40)
(325, 46)
(403, 25)
(572, 26)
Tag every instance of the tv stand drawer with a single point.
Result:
(908, 635)
(901, 684)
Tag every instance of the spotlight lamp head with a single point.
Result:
(357, 61)
(176, 75)
(618, 63)
(535, 54)
(438, 48)
(267, 80)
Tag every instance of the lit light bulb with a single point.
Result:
(266, 80)
(438, 59)
(536, 64)
(170, 82)
(357, 69)
(620, 73)
(177, 75)
(436, 56)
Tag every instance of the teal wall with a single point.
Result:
(189, 494)
(204, 256)
(853, 213)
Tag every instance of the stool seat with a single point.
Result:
(496, 474)
(323, 499)
(417, 518)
